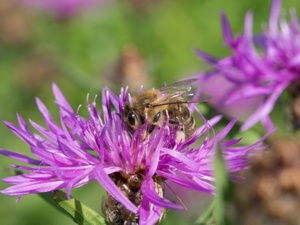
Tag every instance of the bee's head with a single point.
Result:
(132, 119)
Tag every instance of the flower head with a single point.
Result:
(260, 68)
(79, 150)
(62, 8)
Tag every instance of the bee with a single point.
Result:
(129, 184)
(116, 213)
(155, 105)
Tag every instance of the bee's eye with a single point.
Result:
(131, 118)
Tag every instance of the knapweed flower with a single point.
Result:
(63, 8)
(131, 168)
(249, 82)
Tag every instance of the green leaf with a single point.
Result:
(79, 213)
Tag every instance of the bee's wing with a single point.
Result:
(180, 92)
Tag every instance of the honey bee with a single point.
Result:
(116, 213)
(153, 106)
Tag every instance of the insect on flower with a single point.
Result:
(130, 166)
(130, 185)
(155, 106)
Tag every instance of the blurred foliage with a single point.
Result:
(37, 49)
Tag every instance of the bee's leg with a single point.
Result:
(156, 117)
(151, 128)
(155, 120)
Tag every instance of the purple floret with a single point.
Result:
(79, 150)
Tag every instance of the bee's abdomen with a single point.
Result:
(189, 127)
(181, 115)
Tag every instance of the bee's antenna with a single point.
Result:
(169, 103)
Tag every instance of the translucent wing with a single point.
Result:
(180, 92)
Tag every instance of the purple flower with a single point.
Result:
(63, 8)
(79, 150)
(260, 68)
